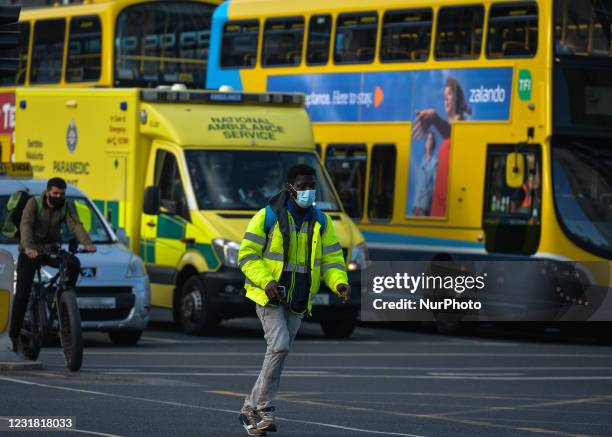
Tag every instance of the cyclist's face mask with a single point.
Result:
(56, 197)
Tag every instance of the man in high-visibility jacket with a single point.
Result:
(287, 248)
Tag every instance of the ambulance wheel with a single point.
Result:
(338, 327)
(196, 317)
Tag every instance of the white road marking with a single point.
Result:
(352, 354)
(475, 374)
(82, 431)
(387, 376)
(256, 340)
(117, 367)
(199, 407)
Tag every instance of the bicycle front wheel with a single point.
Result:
(71, 335)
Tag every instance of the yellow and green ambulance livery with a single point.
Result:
(182, 173)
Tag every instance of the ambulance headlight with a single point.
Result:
(227, 251)
(359, 258)
(136, 268)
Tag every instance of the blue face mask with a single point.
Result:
(305, 198)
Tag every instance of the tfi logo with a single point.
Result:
(525, 85)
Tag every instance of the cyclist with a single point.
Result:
(40, 231)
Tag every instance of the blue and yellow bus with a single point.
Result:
(516, 85)
(452, 130)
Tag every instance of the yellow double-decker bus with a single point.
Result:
(108, 43)
(452, 130)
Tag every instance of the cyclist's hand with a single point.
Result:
(89, 248)
(31, 253)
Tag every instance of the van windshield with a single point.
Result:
(84, 210)
(246, 180)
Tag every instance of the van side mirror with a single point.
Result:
(515, 170)
(151, 201)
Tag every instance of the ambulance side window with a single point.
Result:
(47, 51)
(168, 179)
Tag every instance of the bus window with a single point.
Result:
(162, 43)
(346, 164)
(84, 49)
(406, 35)
(582, 29)
(282, 42)
(318, 150)
(355, 38)
(47, 51)
(382, 182)
(459, 33)
(21, 52)
(239, 46)
(513, 30)
(319, 36)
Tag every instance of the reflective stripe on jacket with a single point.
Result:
(263, 258)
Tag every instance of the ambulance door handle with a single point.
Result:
(151, 224)
(71, 104)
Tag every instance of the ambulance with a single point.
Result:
(180, 173)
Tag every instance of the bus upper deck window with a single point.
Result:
(20, 52)
(582, 28)
(162, 43)
(319, 36)
(282, 42)
(406, 35)
(459, 33)
(47, 51)
(355, 38)
(84, 49)
(513, 30)
(239, 45)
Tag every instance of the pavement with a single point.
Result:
(381, 382)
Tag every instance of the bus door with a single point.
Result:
(362, 160)
(513, 198)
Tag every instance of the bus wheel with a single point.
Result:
(338, 327)
(196, 317)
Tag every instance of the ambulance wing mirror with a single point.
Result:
(151, 201)
(515, 170)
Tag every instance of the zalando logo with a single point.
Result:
(487, 95)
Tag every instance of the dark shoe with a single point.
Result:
(248, 418)
(266, 419)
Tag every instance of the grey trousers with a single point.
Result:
(280, 326)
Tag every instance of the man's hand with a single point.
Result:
(89, 248)
(272, 291)
(345, 292)
(31, 253)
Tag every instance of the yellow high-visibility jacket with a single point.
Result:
(314, 250)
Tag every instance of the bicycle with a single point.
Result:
(52, 299)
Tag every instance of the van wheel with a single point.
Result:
(125, 338)
(196, 317)
(338, 327)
